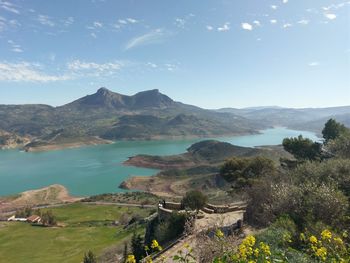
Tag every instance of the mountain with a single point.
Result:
(312, 119)
(110, 115)
(147, 115)
(106, 99)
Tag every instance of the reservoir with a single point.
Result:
(98, 169)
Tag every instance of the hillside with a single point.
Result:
(109, 115)
(196, 168)
(311, 119)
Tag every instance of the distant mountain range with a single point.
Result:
(147, 115)
(311, 119)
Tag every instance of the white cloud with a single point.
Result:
(152, 65)
(68, 21)
(303, 22)
(9, 7)
(179, 22)
(330, 16)
(154, 37)
(15, 47)
(45, 20)
(314, 64)
(93, 35)
(122, 21)
(273, 21)
(98, 24)
(247, 26)
(132, 20)
(287, 25)
(210, 28)
(26, 72)
(92, 69)
(225, 27)
(257, 23)
(274, 7)
(79, 65)
(17, 50)
(284, 1)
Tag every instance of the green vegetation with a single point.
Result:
(89, 257)
(127, 197)
(242, 172)
(165, 230)
(194, 200)
(302, 148)
(333, 130)
(81, 227)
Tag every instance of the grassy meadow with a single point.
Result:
(84, 227)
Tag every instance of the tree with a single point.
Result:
(194, 199)
(48, 218)
(243, 171)
(332, 130)
(302, 148)
(89, 257)
(137, 247)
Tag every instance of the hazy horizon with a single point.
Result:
(212, 54)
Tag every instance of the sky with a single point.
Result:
(209, 53)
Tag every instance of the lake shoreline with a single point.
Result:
(87, 171)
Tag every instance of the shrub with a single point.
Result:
(194, 200)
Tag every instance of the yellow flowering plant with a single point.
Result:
(327, 247)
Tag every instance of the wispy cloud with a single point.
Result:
(68, 21)
(303, 22)
(153, 37)
(274, 7)
(330, 16)
(257, 23)
(247, 26)
(273, 21)
(284, 1)
(77, 65)
(314, 64)
(15, 47)
(225, 27)
(45, 20)
(9, 7)
(26, 72)
(209, 28)
(286, 25)
(124, 22)
(180, 22)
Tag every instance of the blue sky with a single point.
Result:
(237, 53)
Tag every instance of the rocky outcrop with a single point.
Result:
(11, 140)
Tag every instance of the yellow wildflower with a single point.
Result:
(219, 233)
(242, 251)
(154, 244)
(265, 248)
(321, 253)
(326, 234)
(313, 239)
(302, 237)
(256, 252)
(130, 259)
(249, 241)
(338, 241)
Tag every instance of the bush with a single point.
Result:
(243, 171)
(194, 200)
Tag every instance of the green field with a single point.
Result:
(85, 227)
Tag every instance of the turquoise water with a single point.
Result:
(98, 169)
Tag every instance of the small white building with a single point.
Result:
(18, 219)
